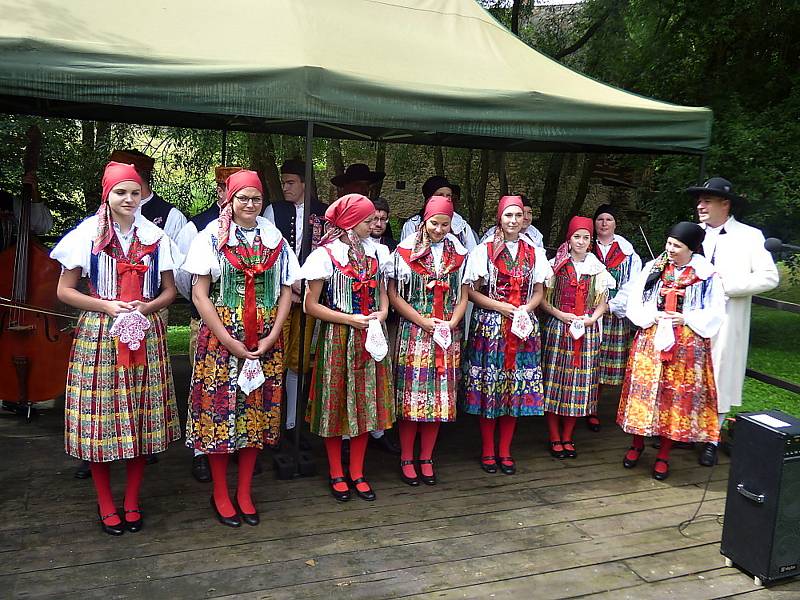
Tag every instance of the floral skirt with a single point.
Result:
(113, 412)
(492, 389)
(675, 399)
(617, 336)
(351, 393)
(570, 390)
(222, 419)
(423, 392)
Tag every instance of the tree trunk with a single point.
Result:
(479, 204)
(380, 165)
(261, 152)
(550, 195)
(336, 161)
(438, 161)
(466, 187)
(502, 175)
(91, 182)
(589, 162)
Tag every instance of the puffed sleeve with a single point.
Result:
(75, 249)
(169, 255)
(617, 305)
(183, 280)
(705, 318)
(384, 259)
(318, 265)
(291, 268)
(399, 269)
(642, 314)
(203, 258)
(477, 264)
(542, 269)
(409, 227)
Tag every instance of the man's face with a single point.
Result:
(713, 210)
(380, 223)
(222, 191)
(356, 187)
(293, 188)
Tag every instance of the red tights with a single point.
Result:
(663, 452)
(219, 474)
(507, 425)
(560, 429)
(358, 450)
(101, 477)
(428, 431)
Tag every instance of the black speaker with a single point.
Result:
(761, 534)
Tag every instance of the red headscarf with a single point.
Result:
(344, 214)
(438, 205)
(114, 174)
(575, 223)
(499, 237)
(235, 184)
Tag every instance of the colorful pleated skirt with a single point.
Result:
(617, 336)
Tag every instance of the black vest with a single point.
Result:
(201, 220)
(286, 215)
(157, 210)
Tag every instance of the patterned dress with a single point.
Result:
(222, 418)
(622, 263)
(426, 376)
(351, 393)
(119, 408)
(502, 374)
(672, 393)
(571, 373)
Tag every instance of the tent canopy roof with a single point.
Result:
(416, 71)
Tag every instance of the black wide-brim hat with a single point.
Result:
(716, 186)
(357, 172)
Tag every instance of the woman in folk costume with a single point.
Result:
(243, 270)
(679, 304)
(503, 376)
(351, 386)
(426, 290)
(621, 260)
(120, 400)
(576, 299)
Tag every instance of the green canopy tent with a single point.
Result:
(414, 71)
(434, 72)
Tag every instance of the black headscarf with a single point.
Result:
(434, 183)
(685, 232)
(605, 208)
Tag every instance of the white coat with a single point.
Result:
(745, 269)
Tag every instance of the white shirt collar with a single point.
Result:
(270, 235)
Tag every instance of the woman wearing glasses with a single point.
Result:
(235, 393)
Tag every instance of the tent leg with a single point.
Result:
(224, 147)
(701, 177)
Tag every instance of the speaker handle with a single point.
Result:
(758, 498)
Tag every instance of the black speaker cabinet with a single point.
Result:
(761, 534)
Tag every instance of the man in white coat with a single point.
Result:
(745, 268)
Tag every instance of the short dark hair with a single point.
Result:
(294, 166)
(381, 204)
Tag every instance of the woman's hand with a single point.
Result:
(238, 349)
(379, 315)
(589, 321)
(265, 344)
(677, 318)
(566, 317)
(506, 309)
(114, 308)
(142, 307)
(360, 321)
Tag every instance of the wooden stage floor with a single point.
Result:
(556, 529)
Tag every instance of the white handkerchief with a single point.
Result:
(521, 326)
(442, 335)
(130, 328)
(376, 343)
(577, 328)
(665, 335)
(251, 376)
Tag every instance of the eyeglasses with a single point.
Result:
(244, 200)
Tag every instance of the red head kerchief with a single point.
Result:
(438, 205)
(114, 174)
(349, 210)
(576, 223)
(505, 202)
(235, 184)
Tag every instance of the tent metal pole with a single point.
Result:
(702, 174)
(224, 147)
(305, 249)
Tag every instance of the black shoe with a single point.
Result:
(412, 481)
(384, 443)
(489, 464)
(593, 423)
(117, 529)
(340, 496)
(134, 526)
(567, 452)
(557, 453)
(424, 478)
(708, 457)
(507, 469)
(369, 495)
(251, 519)
(628, 463)
(84, 471)
(659, 475)
(151, 459)
(200, 469)
(233, 521)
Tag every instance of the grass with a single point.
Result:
(178, 339)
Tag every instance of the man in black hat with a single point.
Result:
(745, 269)
(357, 179)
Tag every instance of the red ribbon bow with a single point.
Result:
(439, 287)
(671, 296)
(131, 281)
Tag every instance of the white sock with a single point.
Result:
(721, 418)
(377, 434)
(291, 398)
(199, 453)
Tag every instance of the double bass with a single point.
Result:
(35, 333)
